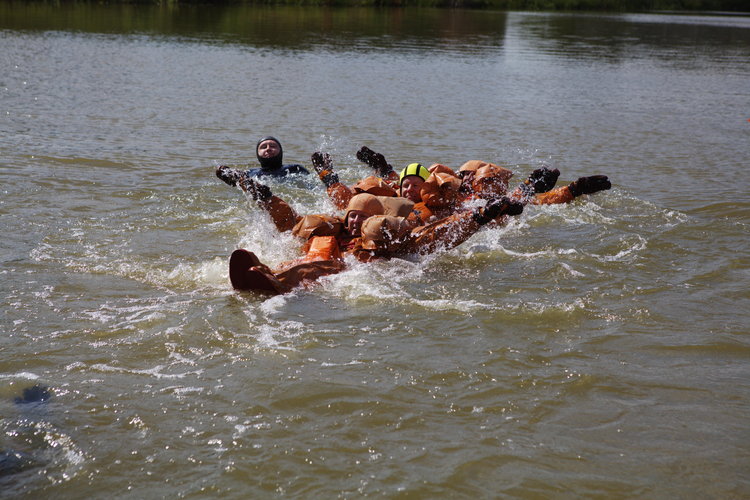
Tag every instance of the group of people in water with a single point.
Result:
(416, 210)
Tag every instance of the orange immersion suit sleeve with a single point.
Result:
(283, 215)
(553, 196)
(421, 214)
(446, 233)
(392, 179)
(340, 195)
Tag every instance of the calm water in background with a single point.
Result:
(598, 349)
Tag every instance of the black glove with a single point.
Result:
(374, 160)
(258, 191)
(324, 167)
(543, 179)
(495, 208)
(229, 175)
(588, 185)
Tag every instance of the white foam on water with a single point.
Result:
(631, 248)
(181, 391)
(20, 375)
(155, 372)
(381, 280)
(125, 317)
(327, 364)
(212, 273)
(276, 336)
(570, 270)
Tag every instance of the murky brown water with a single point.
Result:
(595, 350)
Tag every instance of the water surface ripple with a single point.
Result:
(598, 349)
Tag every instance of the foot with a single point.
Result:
(248, 273)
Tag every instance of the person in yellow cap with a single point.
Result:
(407, 184)
(411, 179)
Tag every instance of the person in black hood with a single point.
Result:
(270, 155)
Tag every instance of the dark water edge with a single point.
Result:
(693, 6)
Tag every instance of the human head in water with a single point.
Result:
(412, 178)
(361, 207)
(269, 153)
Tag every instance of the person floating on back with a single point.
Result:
(270, 154)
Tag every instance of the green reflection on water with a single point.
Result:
(271, 26)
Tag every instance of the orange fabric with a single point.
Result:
(323, 257)
(491, 180)
(420, 214)
(317, 225)
(374, 185)
(553, 197)
(340, 195)
(392, 179)
(283, 215)
(304, 273)
(364, 202)
(472, 165)
(441, 189)
(445, 233)
(323, 248)
(439, 168)
(384, 232)
(395, 205)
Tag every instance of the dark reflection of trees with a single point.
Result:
(619, 38)
(293, 28)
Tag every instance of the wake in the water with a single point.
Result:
(415, 212)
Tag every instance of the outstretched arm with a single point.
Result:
(584, 185)
(539, 189)
(377, 162)
(453, 230)
(284, 217)
(229, 175)
(339, 193)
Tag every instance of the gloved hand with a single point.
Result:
(229, 175)
(258, 191)
(543, 179)
(374, 160)
(324, 167)
(588, 185)
(495, 208)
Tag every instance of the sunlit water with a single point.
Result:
(597, 349)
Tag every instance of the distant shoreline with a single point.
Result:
(715, 7)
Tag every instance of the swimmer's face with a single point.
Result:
(354, 222)
(268, 149)
(411, 188)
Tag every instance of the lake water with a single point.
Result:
(594, 350)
